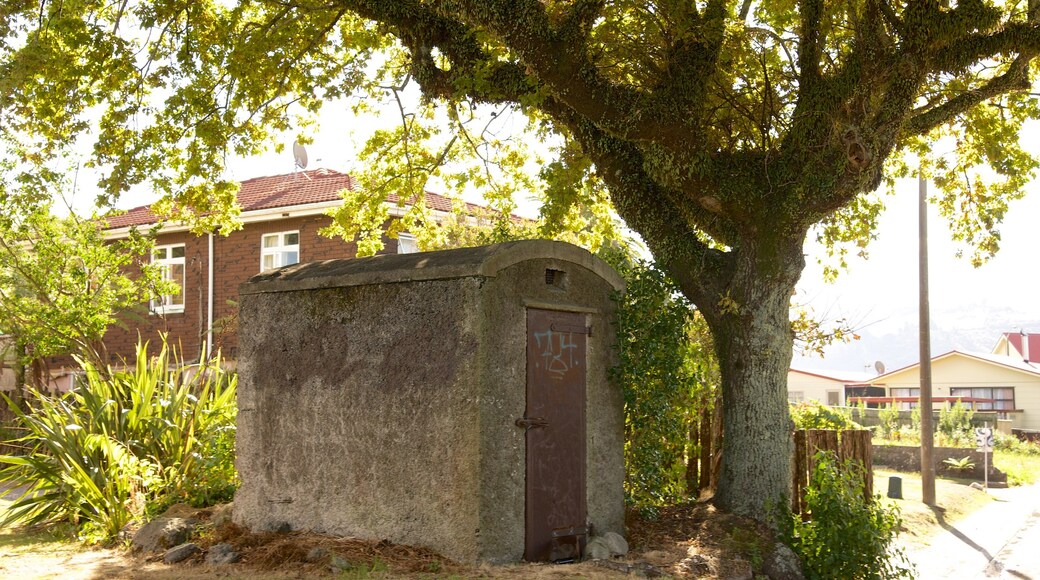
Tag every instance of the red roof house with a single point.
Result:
(281, 216)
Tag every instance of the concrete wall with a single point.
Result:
(377, 397)
(908, 459)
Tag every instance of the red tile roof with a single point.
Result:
(292, 189)
(1033, 354)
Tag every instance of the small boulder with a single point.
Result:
(163, 533)
(180, 553)
(597, 549)
(317, 554)
(602, 547)
(782, 564)
(339, 564)
(222, 553)
(616, 542)
(221, 514)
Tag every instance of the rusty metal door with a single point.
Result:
(555, 426)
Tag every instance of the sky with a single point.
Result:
(969, 306)
(878, 296)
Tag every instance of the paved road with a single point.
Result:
(999, 541)
(1020, 557)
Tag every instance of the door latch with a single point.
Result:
(528, 423)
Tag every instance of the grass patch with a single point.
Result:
(954, 497)
(1021, 469)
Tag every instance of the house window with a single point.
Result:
(170, 260)
(795, 396)
(406, 244)
(833, 398)
(281, 249)
(906, 393)
(1003, 397)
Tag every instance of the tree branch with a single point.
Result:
(923, 120)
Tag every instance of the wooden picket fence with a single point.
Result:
(850, 444)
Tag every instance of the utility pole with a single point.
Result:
(927, 435)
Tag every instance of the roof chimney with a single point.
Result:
(1025, 346)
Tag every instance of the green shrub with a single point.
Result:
(668, 375)
(888, 418)
(813, 415)
(846, 536)
(963, 464)
(955, 424)
(1012, 444)
(98, 455)
(915, 420)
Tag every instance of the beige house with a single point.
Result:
(1007, 384)
(824, 386)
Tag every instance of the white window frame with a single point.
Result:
(279, 253)
(168, 303)
(795, 397)
(407, 244)
(909, 392)
(980, 392)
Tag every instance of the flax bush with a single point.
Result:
(100, 454)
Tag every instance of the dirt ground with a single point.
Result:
(687, 541)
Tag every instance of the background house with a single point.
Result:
(985, 381)
(824, 386)
(281, 217)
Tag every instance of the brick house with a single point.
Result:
(281, 217)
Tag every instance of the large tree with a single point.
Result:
(723, 132)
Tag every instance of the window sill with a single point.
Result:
(165, 311)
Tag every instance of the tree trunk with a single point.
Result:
(754, 343)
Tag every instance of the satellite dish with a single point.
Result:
(300, 154)
(879, 367)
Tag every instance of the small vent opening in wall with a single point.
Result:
(555, 278)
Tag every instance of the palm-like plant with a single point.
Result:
(124, 439)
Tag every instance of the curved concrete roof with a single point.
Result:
(484, 261)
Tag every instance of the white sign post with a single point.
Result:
(984, 443)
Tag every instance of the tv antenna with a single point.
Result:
(300, 155)
(879, 367)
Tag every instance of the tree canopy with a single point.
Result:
(722, 132)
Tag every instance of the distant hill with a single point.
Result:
(895, 342)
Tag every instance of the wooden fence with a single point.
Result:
(851, 444)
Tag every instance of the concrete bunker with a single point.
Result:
(456, 399)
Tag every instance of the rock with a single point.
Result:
(977, 485)
(339, 564)
(163, 533)
(597, 549)
(181, 510)
(617, 544)
(782, 564)
(605, 546)
(222, 553)
(282, 527)
(317, 554)
(180, 553)
(221, 514)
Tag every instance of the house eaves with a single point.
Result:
(994, 359)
